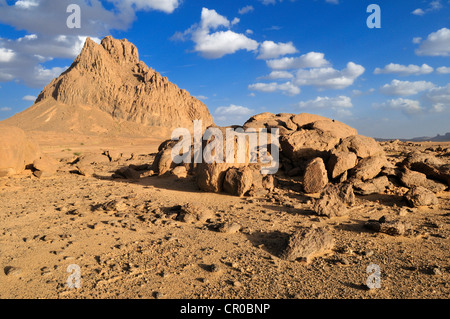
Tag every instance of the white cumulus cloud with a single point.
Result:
(232, 114)
(436, 44)
(287, 88)
(443, 70)
(270, 49)
(308, 60)
(405, 88)
(404, 70)
(329, 78)
(214, 44)
(326, 102)
(406, 106)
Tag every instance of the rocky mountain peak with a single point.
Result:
(109, 77)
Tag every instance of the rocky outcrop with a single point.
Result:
(16, 151)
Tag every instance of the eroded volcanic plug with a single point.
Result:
(108, 90)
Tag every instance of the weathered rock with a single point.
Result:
(86, 170)
(375, 186)
(180, 172)
(362, 146)
(210, 176)
(340, 162)
(269, 120)
(230, 228)
(368, 168)
(389, 225)
(429, 165)
(316, 176)
(334, 200)
(190, 213)
(420, 196)
(92, 159)
(307, 243)
(16, 151)
(412, 178)
(306, 144)
(45, 166)
(337, 129)
(238, 181)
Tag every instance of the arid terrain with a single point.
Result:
(125, 236)
(88, 182)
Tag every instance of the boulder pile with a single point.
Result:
(328, 157)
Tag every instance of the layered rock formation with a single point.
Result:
(107, 89)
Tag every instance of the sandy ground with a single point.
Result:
(140, 250)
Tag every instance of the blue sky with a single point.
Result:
(246, 57)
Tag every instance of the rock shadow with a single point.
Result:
(273, 242)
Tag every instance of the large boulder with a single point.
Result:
(412, 178)
(334, 200)
(362, 146)
(16, 151)
(374, 186)
(238, 181)
(340, 162)
(429, 165)
(307, 144)
(316, 176)
(420, 196)
(368, 168)
(45, 166)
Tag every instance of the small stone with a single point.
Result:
(214, 268)
(230, 228)
(158, 295)
(12, 271)
(237, 284)
(437, 271)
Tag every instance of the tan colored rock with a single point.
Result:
(429, 165)
(238, 181)
(420, 196)
(337, 129)
(368, 168)
(362, 146)
(340, 162)
(334, 200)
(306, 144)
(192, 213)
(316, 176)
(308, 243)
(303, 119)
(180, 172)
(45, 166)
(374, 186)
(412, 178)
(16, 151)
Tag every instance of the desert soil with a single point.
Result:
(138, 249)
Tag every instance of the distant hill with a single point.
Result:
(438, 138)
